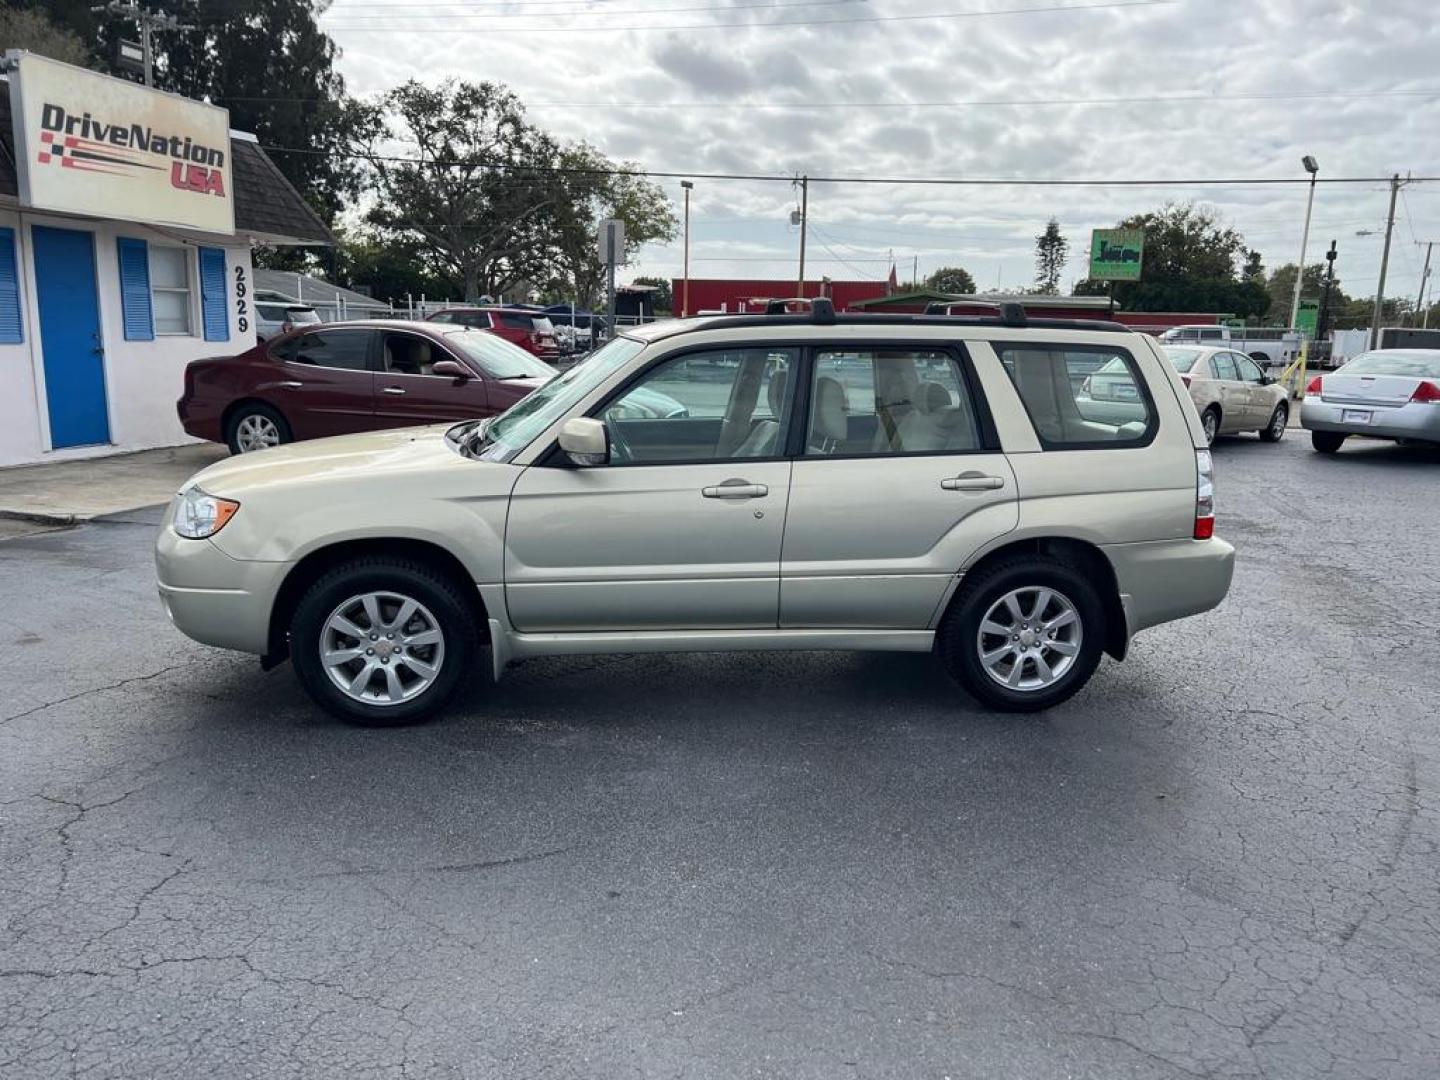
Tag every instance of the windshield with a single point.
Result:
(1182, 360)
(1418, 365)
(513, 429)
(496, 357)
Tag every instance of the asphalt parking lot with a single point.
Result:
(1219, 860)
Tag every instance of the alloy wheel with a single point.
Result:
(256, 431)
(1029, 638)
(1278, 422)
(1211, 423)
(382, 648)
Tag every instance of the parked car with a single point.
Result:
(945, 496)
(340, 378)
(1389, 394)
(1231, 393)
(276, 317)
(1267, 346)
(529, 329)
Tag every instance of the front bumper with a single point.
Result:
(1420, 420)
(1163, 580)
(213, 598)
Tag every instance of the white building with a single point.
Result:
(127, 218)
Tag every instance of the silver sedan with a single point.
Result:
(1389, 394)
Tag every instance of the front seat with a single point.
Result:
(762, 438)
(830, 428)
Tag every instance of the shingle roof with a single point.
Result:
(265, 202)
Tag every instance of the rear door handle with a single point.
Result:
(735, 489)
(290, 384)
(972, 481)
(391, 390)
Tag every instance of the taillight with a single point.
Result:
(1316, 385)
(1426, 392)
(1204, 495)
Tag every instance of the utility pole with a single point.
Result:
(804, 216)
(1424, 277)
(1384, 265)
(915, 273)
(685, 288)
(149, 22)
(1323, 323)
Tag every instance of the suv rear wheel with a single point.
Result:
(382, 642)
(1024, 634)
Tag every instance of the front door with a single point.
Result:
(682, 529)
(898, 486)
(325, 383)
(1259, 400)
(71, 345)
(408, 392)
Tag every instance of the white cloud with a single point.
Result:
(714, 80)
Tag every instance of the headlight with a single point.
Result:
(200, 515)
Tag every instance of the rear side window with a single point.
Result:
(345, 349)
(1080, 397)
(517, 322)
(1224, 364)
(900, 401)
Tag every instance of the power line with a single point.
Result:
(413, 13)
(407, 28)
(897, 181)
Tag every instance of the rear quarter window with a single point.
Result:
(1081, 397)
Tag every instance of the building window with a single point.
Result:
(170, 287)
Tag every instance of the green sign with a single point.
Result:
(1308, 317)
(1115, 254)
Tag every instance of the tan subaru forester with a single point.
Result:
(791, 481)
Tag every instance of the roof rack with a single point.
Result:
(822, 308)
(1011, 312)
(823, 314)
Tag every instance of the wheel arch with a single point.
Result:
(322, 559)
(1085, 556)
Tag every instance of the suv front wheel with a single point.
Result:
(383, 641)
(1024, 634)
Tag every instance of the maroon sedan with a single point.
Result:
(531, 330)
(339, 378)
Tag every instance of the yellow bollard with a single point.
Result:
(1304, 362)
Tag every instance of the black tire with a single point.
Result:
(1274, 429)
(959, 637)
(412, 579)
(1210, 421)
(254, 410)
(1326, 442)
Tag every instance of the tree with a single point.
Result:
(30, 29)
(952, 279)
(1189, 265)
(596, 189)
(663, 300)
(268, 63)
(476, 190)
(1281, 285)
(1051, 251)
(389, 268)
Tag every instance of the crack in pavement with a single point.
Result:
(96, 690)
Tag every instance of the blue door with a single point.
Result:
(70, 341)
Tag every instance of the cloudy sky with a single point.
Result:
(1011, 89)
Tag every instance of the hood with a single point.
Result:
(370, 454)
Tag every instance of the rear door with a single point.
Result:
(1234, 397)
(326, 384)
(899, 480)
(407, 391)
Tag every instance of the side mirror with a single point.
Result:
(585, 441)
(452, 369)
(1265, 380)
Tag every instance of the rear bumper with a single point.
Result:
(1418, 421)
(199, 420)
(1163, 580)
(213, 598)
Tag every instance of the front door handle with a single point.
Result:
(735, 489)
(391, 390)
(972, 481)
(289, 384)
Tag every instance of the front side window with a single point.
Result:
(1076, 403)
(1249, 372)
(170, 289)
(901, 401)
(410, 354)
(344, 349)
(716, 405)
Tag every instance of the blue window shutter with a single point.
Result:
(213, 311)
(11, 326)
(135, 290)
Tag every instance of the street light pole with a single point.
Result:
(685, 287)
(1314, 170)
(1424, 277)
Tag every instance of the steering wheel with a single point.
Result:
(619, 449)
